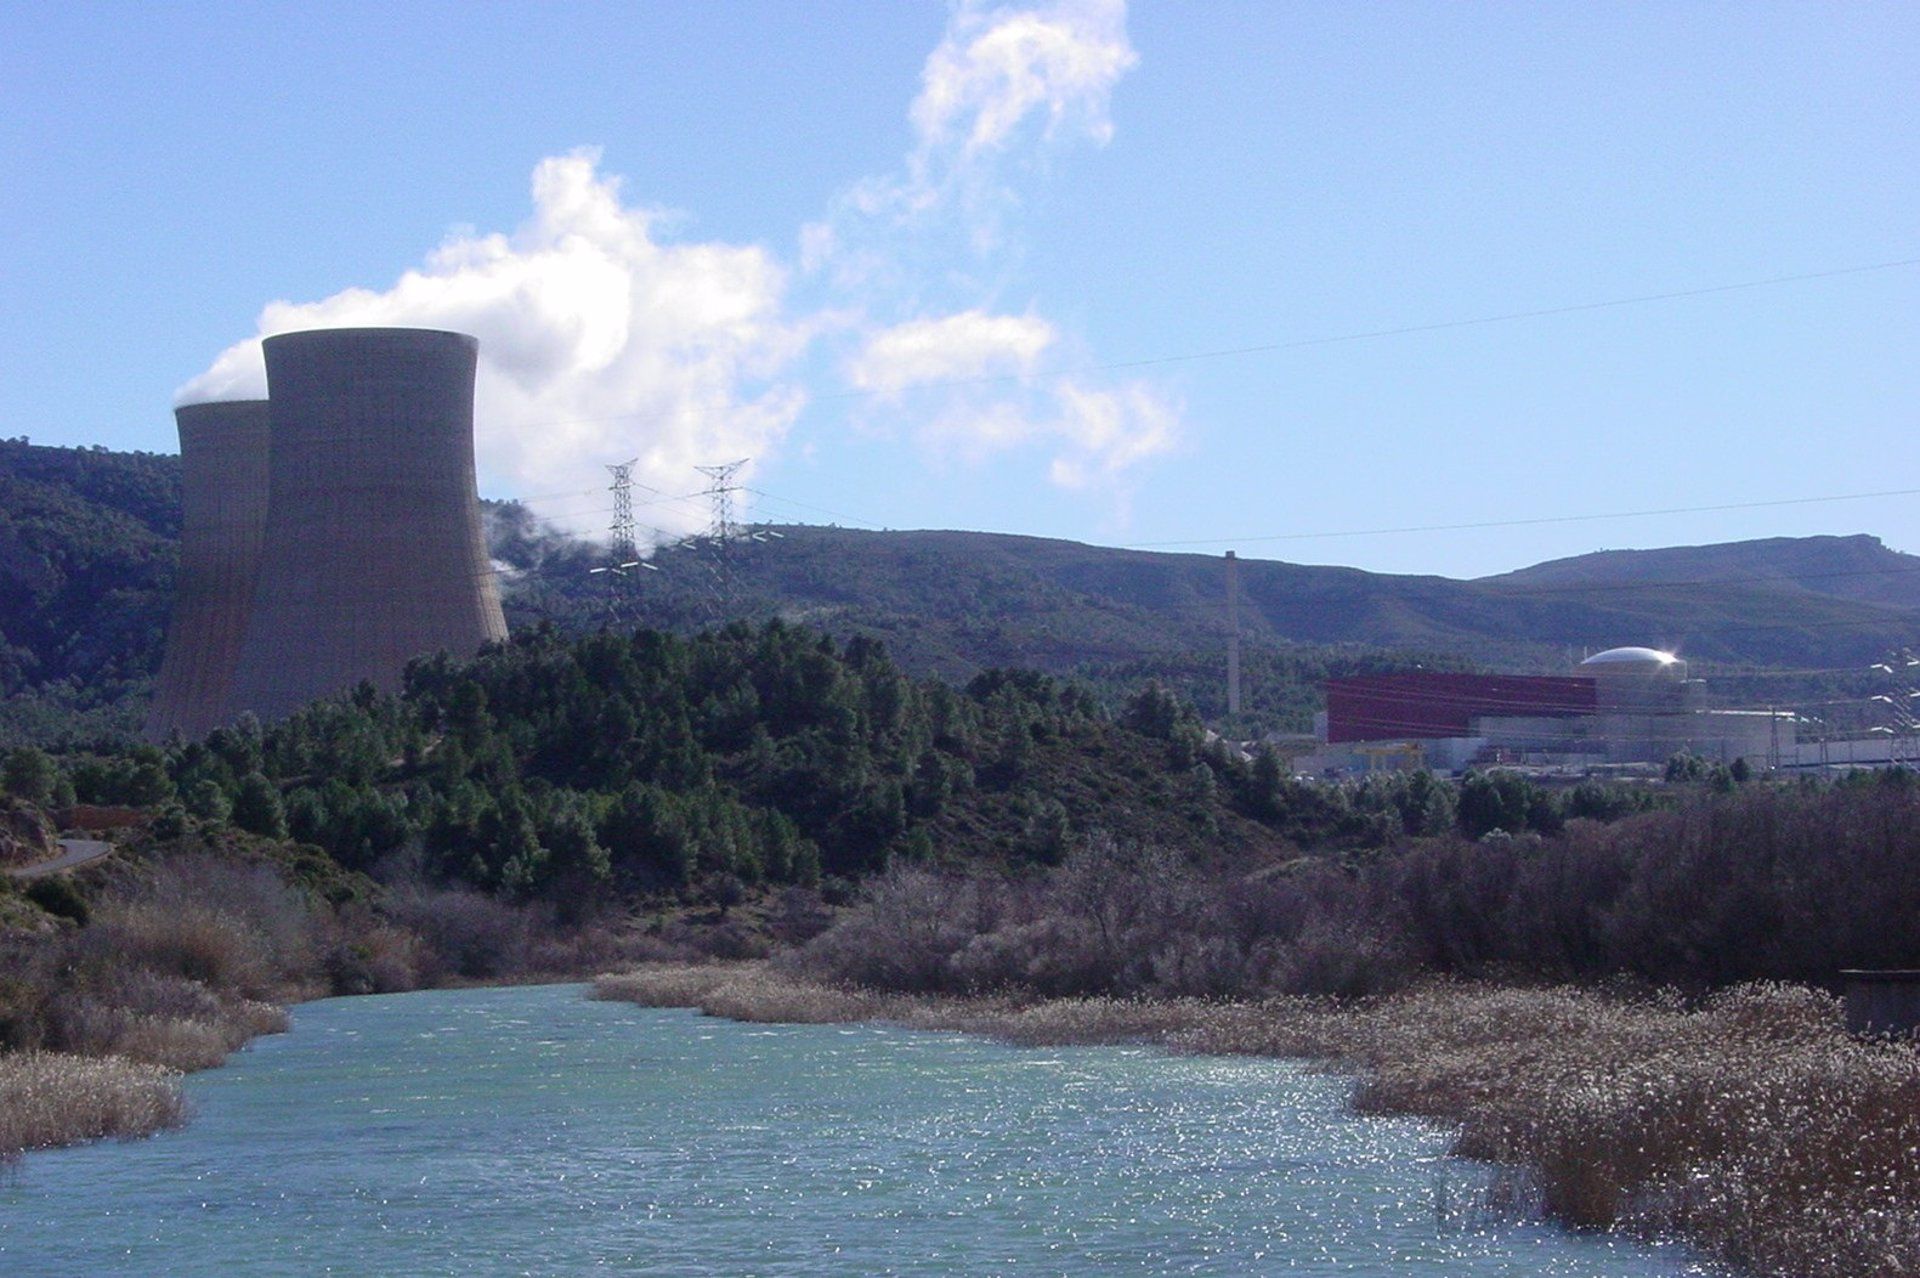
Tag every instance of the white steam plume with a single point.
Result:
(597, 343)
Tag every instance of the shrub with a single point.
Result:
(49, 1099)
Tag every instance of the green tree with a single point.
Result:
(207, 801)
(30, 773)
(257, 809)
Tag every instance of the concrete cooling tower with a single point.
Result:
(372, 553)
(223, 464)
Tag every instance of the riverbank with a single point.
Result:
(117, 982)
(1750, 1124)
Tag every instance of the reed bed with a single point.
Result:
(1750, 1125)
(58, 1099)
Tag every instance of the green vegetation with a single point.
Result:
(560, 769)
(88, 546)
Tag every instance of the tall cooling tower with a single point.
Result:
(373, 552)
(223, 463)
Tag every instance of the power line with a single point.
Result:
(1338, 339)
(788, 501)
(1405, 330)
(1528, 523)
(1509, 316)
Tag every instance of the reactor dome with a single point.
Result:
(1633, 661)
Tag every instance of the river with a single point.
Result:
(530, 1130)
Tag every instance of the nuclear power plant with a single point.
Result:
(346, 546)
(1624, 706)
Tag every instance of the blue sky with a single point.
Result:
(936, 267)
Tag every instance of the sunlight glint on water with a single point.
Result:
(532, 1131)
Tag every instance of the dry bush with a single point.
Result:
(367, 955)
(730, 940)
(49, 1099)
(1752, 1126)
(182, 1045)
(661, 985)
(173, 967)
(234, 928)
(743, 992)
(903, 937)
(466, 933)
(1069, 1021)
(188, 942)
(764, 996)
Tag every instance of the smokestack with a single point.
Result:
(223, 465)
(373, 552)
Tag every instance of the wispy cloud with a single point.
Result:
(969, 344)
(998, 69)
(1007, 87)
(1095, 439)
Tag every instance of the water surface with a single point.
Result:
(533, 1131)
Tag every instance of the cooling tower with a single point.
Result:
(223, 464)
(373, 552)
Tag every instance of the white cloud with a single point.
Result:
(1005, 86)
(1108, 433)
(969, 344)
(972, 433)
(598, 342)
(1001, 76)
(1096, 438)
(601, 338)
(995, 68)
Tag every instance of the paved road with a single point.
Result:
(73, 853)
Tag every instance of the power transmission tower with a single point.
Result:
(621, 530)
(623, 568)
(722, 533)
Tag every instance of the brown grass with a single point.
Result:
(1751, 1125)
(57, 1099)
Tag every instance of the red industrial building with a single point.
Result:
(1624, 706)
(1425, 706)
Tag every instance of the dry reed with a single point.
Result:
(56, 1099)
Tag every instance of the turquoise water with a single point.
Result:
(509, 1131)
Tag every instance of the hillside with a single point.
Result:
(88, 545)
(89, 540)
(959, 599)
(1858, 568)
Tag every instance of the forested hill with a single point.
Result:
(994, 599)
(88, 545)
(89, 540)
(551, 765)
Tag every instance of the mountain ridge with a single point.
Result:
(1859, 567)
(89, 542)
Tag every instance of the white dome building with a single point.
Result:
(1636, 662)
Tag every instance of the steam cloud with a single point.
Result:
(599, 339)
(593, 334)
